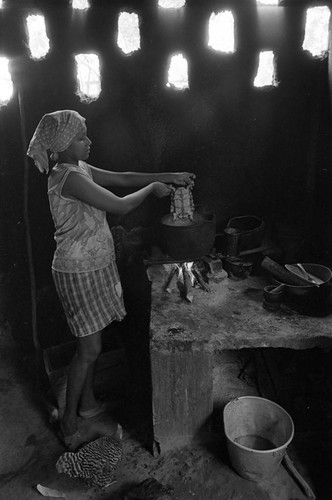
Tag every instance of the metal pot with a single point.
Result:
(189, 240)
(314, 292)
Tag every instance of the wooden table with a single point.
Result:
(184, 337)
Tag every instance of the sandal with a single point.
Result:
(93, 412)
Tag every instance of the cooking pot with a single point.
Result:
(312, 292)
(188, 240)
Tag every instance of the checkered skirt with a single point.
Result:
(91, 300)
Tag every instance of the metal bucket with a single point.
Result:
(246, 232)
(258, 432)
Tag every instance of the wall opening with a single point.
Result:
(80, 4)
(221, 31)
(88, 76)
(129, 39)
(266, 70)
(6, 84)
(267, 2)
(178, 72)
(316, 36)
(38, 41)
(171, 4)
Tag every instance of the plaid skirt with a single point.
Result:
(91, 300)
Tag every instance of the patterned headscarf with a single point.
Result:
(54, 132)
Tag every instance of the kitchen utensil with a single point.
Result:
(238, 268)
(249, 230)
(232, 242)
(272, 297)
(258, 432)
(310, 292)
(291, 469)
(280, 273)
(277, 289)
(299, 271)
(188, 241)
(310, 277)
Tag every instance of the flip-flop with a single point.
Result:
(93, 412)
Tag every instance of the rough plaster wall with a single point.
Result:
(254, 151)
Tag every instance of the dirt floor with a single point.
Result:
(30, 447)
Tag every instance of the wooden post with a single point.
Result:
(182, 392)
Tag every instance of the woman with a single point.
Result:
(83, 267)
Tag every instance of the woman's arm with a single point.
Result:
(83, 188)
(139, 179)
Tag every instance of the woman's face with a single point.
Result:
(79, 149)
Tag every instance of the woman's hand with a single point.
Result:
(184, 179)
(161, 190)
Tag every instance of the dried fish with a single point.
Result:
(182, 204)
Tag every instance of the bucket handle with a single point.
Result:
(297, 476)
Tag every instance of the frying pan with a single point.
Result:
(311, 291)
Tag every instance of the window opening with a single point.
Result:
(1, 4)
(267, 2)
(178, 72)
(128, 32)
(171, 4)
(88, 76)
(6, 84)
(317, 30)
(39, 44)
(266, 72)
(221, 31)
(80, 4)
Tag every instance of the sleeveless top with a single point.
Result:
(83, 238)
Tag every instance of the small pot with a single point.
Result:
(238, 267)
(272, 297)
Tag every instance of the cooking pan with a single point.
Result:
(311, 291)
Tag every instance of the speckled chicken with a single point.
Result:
(95, 462)
(182, 203)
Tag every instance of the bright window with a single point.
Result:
(317, 30)
(178, 72)
(88, 76)
(265, 73)
(268, 2)
(6, 84)
(128, 32)
(39, 44)
(221, 31)
(80, 4)
(171, 4)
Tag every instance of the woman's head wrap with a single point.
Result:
(54, 132)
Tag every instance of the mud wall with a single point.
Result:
(262, 151)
